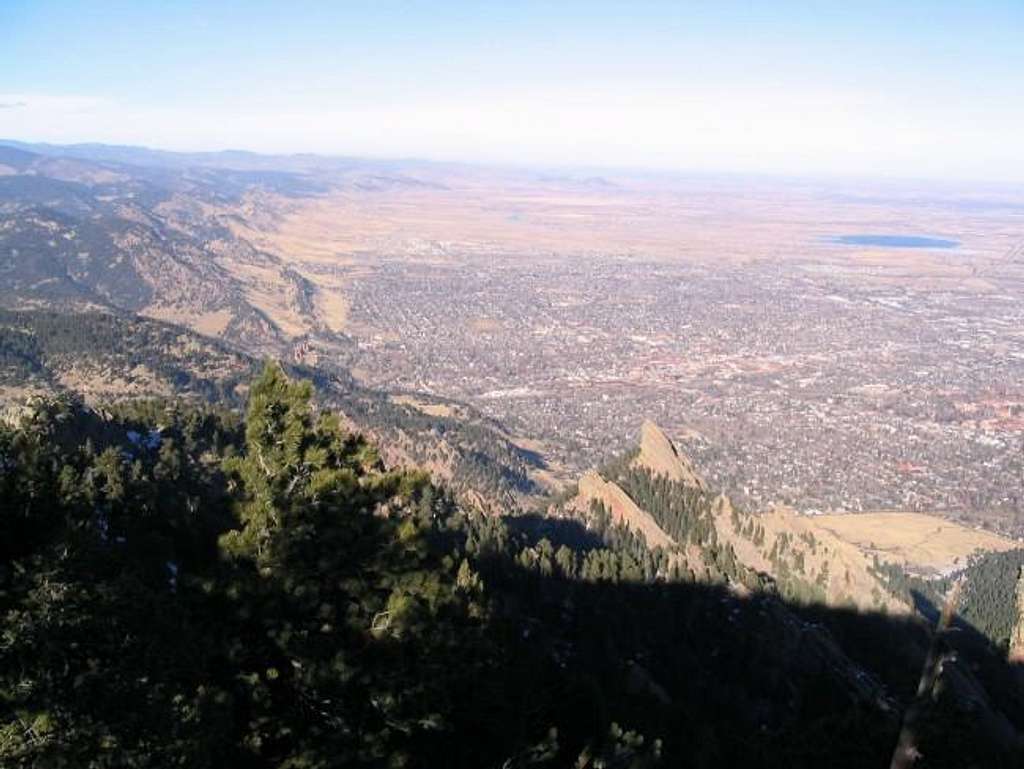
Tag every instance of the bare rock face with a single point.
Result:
(623, 509)
(659, 455)
(1016, 653)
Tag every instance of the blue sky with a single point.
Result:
(916, 89)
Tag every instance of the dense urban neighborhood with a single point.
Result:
(790, 385)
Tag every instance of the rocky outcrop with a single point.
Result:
(805, 561)
(659, 455)
(623, 509)
(803, 556)
(1016, 653)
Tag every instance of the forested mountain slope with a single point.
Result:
(179, 585)
(990, 601)
(103, 357)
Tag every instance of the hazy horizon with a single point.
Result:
(920, 92)
(837, 180)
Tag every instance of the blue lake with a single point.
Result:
(895, 241)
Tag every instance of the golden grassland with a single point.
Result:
(702, 223)
(431, 409)
(210, 323)
(923, 542)
(475, 218)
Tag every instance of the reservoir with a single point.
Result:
(895, 241)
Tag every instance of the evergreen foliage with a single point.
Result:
(988, 596)
(37, 347)
(183, 587)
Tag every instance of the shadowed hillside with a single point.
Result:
(178, 584)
